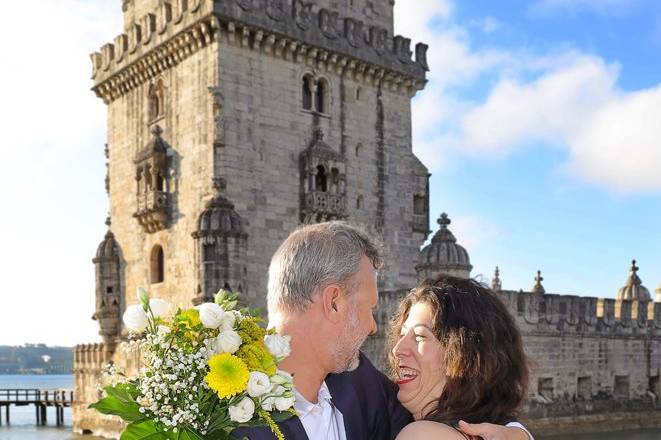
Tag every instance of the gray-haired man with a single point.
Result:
(322, 291)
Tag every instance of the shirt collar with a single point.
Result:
(303, 406)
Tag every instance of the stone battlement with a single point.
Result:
(298, 31)
(549, 313)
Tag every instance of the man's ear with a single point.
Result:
(333, 302)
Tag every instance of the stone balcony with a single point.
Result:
(322, 206)
(152, 212)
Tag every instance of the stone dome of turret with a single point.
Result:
(633, 288)
(107, 248)
(443, 255)
(155, 146)
(220, 219)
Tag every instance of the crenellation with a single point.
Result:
(320, 44)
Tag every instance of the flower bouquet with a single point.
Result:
(209, 370)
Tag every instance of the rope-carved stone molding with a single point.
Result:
(160, 41)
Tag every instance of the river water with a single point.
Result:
(23, 426)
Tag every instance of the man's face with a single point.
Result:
(360, 321)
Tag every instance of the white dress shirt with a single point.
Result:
(321, 420)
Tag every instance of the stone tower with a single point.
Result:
(230, 123)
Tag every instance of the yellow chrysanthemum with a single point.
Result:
(228, 375)
(257, 357)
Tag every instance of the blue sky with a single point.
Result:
(541, 143)
(540, 125)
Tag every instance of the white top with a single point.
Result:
(321, 420)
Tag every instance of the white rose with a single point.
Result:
(277, 390)
(242, 412)
(211, 315)
(135, 319)
(284, 403)
(159, 307)
(228, 341)
(278, 346)
(258, 384)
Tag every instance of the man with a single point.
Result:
(322, 291)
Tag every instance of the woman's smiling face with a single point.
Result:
(420, 361)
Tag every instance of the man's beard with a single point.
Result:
(347, 348)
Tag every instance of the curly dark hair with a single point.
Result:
(486, 367)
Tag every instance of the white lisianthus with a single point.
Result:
(142, 295)
(268, 403)
(258, 384)
(284, 403)
(211, 315)
(228, 341)
(281, 377)
(279, 346)
(228, 321)
(243, 411)
(135, 319)
(159, 307)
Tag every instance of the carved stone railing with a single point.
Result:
(152, 212)
(325, 206)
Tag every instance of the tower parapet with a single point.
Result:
(304, 32)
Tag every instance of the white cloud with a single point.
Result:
(52, 171)
(473, 232)
(549, 109)
(566, 99)
(620, 143)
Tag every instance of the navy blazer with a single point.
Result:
(367, 400)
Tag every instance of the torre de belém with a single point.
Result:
(231, 123)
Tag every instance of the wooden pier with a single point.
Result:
(41, 399)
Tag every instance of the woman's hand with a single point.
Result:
(489, 431)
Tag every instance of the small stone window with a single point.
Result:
(563, 308)
(156, 101)
(321, 181)
(359, 202)
(545, 387)
(520, 305)
(321, 96)
(655, 386)
(621, 389)
(157, 265)
(584, 387)
(307, 92)
(542, 307)
(359, 148)
(419, 205)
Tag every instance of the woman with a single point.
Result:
(457, 355)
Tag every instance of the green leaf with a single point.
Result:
(144, 430)
(189, 434)
(126, 392)
(113, 405)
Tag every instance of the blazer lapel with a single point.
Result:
(346, 399)
(292, 428)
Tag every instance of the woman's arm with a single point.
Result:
(489, 431)
(427, 430)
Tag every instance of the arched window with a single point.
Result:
(157, 265)
(307, 92)
(335, 181)
(321, 96)
(359, 202)
(320, 179)
(359, 148)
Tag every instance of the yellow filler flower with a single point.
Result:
(228, 375)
